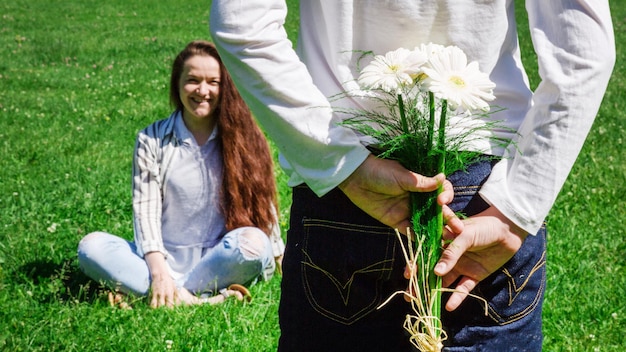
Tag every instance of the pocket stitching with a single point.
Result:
(386, 268)
(514, 291)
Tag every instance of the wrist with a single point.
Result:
(156, 265)
(346, 184)
(511, 226)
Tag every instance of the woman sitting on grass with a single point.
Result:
(204, 197)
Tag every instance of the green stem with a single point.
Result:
(431, 123)
(436, 249)
(427, 215)
(405, 124)
(441, 141)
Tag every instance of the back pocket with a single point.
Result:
(524, 278)
(345, 268)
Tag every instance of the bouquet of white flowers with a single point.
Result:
(432, 104)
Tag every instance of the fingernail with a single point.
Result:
(440, 268)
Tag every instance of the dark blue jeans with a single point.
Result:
(340, 265)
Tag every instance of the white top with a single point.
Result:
(176, 186)
(191, 212)
(289, 93)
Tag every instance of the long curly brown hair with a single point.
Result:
(248, 187)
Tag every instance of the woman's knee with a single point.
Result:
(90, 242)
(101, 246)
(254, 243)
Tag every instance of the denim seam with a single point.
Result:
(338, 225)
(465, 190)
(513, 291)
(344, 289)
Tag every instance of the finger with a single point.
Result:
(453, 222)
(449, 278)
(448, 236)
(161, 301)
(154, 301)
(426, 184)
(465, 286)
(409, 294)
(451, 254)
(169, 300)
(409, 270)
(447, 193)
(173, 297)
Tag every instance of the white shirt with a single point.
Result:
(191, 193)
(172, 174)
(289, 93)
(176, 186)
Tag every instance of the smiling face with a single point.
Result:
(199, 89)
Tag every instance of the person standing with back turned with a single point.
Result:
(341, 259)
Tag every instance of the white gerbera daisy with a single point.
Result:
(450, 77)
(430, 49)
(393, 70)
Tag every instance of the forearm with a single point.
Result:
(280, 92)
(576, 53)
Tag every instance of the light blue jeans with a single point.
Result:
(241, 257)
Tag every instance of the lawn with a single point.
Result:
(78, 80)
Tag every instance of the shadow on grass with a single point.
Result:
(55, 282)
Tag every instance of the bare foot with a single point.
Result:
(118, 299)
(187, 298)
(239, 292)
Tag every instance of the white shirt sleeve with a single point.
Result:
(573, 40)
(278, 88)
(576, 52)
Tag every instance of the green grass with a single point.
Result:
(78, 79)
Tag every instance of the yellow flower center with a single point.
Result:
(394, 68)
(457, 81)
(420, 77)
